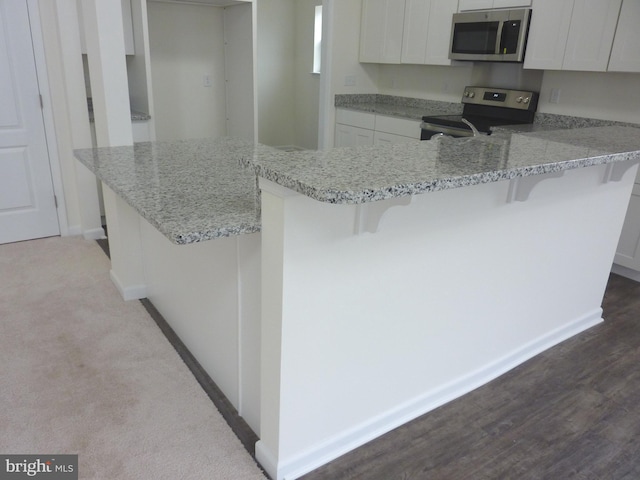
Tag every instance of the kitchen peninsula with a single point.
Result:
(335, 295)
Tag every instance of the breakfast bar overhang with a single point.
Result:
(372, 284)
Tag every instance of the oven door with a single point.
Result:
(431, 130)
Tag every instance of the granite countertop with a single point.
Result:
(197, 190)
(190, 190)
(402, 107)
(353, 175)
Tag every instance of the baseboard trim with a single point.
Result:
(267, 460)
(358, 436)
(73, 231)
(93, 234)
(133, 292)
(625, 272)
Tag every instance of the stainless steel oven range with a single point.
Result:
(484, 107)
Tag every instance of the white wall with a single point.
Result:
(607, 96)
(186, 43)
(61, 38)
(307, 84)
(239, 71)
(276, 94)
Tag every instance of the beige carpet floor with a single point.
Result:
(83, 372)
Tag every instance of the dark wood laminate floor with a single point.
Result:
(572, 412)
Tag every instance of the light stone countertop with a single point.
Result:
(354, 175)
(401, 107)
(190, 190)
(198, 190)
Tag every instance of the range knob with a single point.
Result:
(466, 93)
(526, 100)
(519, 100)
(472, 94)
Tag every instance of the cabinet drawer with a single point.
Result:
(398, 126)
(357, 119)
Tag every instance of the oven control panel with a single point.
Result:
(499, 97)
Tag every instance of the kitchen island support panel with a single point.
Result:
(209, 293)
(124, 244)
(364, 332)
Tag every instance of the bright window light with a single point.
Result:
(317, 40)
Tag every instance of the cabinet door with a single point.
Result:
(381, 31)
(439, 31)
(593, 25)
(625, 55)
(511, 3)
(398, 126)
(484, 4)
(350, 136)
(414, 37)
(475, 4)
(628, 251)
(550, 22)
(383, 138)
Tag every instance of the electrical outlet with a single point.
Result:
(350, 81)
(555, 95)
(206, 80)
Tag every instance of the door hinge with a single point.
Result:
(55, 201)
(41, 103)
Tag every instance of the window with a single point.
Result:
(317, 40)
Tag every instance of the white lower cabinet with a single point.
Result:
(360, 128)
(350, 136)
(382, 138)
(628, 251)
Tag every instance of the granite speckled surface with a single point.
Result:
(402, 107)
(355, 175)
(197, 190)
(190, 190)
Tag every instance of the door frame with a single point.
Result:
(47, 114)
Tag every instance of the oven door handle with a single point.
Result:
(460, 132)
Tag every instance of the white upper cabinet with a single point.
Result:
(548, 33)
(439, 31)
(572, 34)
(414, 38)
(410, 31)
(511, 3)
(381, 31)
(487, 4)
(427, 30)
(593, 26)
(625, 54)
(475, 4)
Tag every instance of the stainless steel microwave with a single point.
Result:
(490, 35)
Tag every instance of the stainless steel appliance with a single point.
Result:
(484, 107)
(490, 35)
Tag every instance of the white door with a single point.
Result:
(27, 201)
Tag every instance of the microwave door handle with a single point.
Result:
(499, 38)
